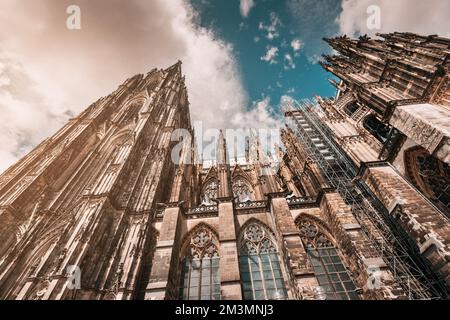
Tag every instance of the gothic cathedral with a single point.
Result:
(357, 208)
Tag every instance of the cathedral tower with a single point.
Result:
(82, 201)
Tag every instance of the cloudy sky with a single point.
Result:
(240, 57)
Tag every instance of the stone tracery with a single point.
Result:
(242, 191)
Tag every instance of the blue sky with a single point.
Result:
(297, 74)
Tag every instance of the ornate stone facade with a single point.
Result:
(356, 209)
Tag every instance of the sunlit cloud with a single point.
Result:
(271, 55)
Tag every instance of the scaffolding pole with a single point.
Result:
(388, 240)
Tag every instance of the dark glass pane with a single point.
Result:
(274, 257)
(319, 270)
(243, 260)
(248, 295)
(344, 276)
(271, 294)
(332, 252)
(279, 283)
(340, 267)
(334, 277)
(322, 279)
(338, 286)
(314, 261)
(330, 268)
(259, 295)
(313, 252)
(349, 286)
(326, 260)
(277, 273)
(245, 276)
(336, 259)
(253, 261)
(247, 286)
(270, 284)
(256, 275)
(257, 285)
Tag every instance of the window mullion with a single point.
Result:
(199, 291)
(189, 279)
(251, 276)
(262, 276)
(273, 274)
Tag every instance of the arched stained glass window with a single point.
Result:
(200, 278)
(259, 265)
(330, 272)
(210, 192)
(242, 191)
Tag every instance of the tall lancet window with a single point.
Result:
(210, 191)
(259, 264)
(334, 281)
(242, 191)
(200, 278)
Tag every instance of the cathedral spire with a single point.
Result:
(176, 67)
(222, 153)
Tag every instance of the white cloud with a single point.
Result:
(314, 59)
(27, 112)
(423, 17)
(286, 102)
(256, 39)
(296, 44)
(271, 55)
(246, 6)
(290, 62)
(51, 73)
(272, 28)
(259, 113)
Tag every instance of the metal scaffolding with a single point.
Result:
(385, 237)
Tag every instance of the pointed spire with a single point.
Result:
(247, 150)
(175, 66)
(222, 154)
